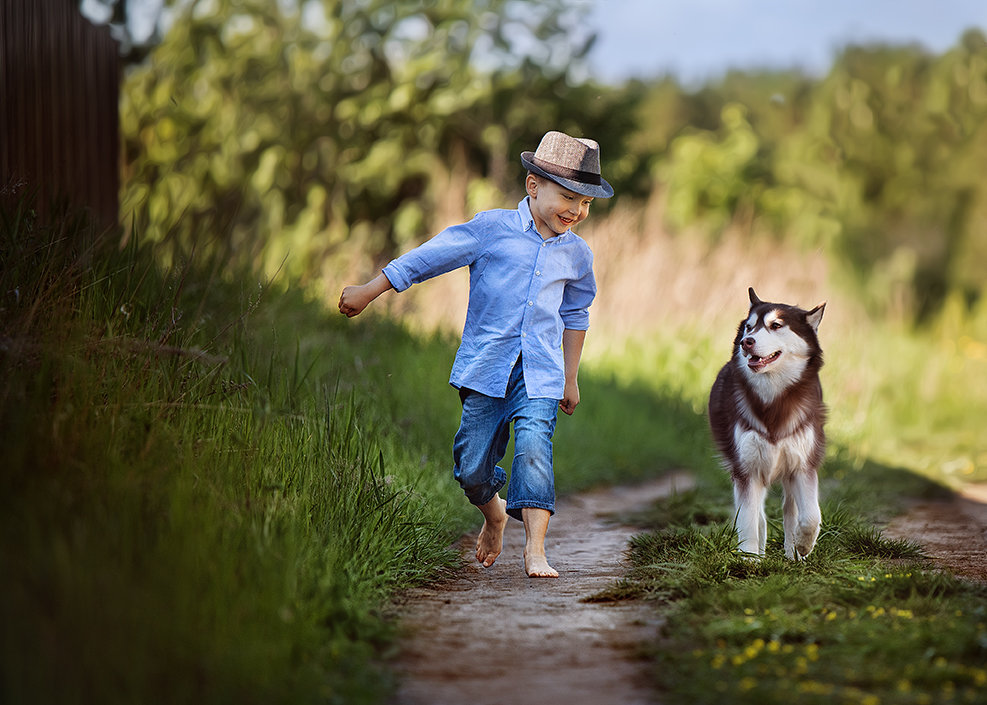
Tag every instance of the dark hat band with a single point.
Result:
(586, 177)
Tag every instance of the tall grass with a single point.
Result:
(191, 513)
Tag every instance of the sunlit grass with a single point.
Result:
(863, 620)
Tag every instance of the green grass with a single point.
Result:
(194, 510)
(866, 619)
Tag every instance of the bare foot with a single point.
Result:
(535, 527)
(490, 542)
(537, 567)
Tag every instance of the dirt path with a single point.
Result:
(495, 636)
(952, 531)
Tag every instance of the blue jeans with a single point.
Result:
(482, 441)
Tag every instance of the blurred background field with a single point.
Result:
(319, 140)
(214, 484)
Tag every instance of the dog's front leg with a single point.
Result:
(802, 517)
(751, 523)
(789, 509)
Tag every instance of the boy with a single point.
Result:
(531, 284)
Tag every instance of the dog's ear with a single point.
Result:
(814, 317)
(754, 300)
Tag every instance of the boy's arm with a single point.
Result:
(572, 350)
(356, 298)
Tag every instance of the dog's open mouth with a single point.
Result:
(759, 363)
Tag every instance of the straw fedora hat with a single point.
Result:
(572, 162)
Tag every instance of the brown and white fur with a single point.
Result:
(766, 413)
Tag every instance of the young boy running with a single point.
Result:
(531, 285)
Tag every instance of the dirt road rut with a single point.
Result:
(952, 531)
(493, 636)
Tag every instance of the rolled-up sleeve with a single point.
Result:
(576, 300)
(451, 249)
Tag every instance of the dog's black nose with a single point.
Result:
(747, 343)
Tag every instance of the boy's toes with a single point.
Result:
(538, 567)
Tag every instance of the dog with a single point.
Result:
(766, 414)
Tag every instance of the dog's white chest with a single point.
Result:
(766, 460)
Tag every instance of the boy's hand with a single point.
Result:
(570, 398)
(356, 298)
(353, 300)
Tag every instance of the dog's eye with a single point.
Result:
(776, 325)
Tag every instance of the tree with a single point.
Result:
(293, 129)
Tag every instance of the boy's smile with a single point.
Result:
(555, 208)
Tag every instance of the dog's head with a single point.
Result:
(778, 339)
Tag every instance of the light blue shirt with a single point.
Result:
(524, 291)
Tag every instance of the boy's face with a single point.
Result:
(554, 208)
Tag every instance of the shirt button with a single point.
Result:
(544, 244)
(537, 274)
(524, 335)
(531, 303)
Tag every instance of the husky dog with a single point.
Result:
(766, 413)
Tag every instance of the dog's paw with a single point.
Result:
(802, 552)
(803, 542)
(798, 553)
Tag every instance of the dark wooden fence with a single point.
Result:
(59, 103)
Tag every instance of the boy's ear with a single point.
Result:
(531, 185)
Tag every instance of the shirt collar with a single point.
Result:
(528, 220)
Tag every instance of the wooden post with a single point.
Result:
(59, 110)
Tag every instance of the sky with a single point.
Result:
(696, 40)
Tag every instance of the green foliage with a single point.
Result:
(305, 134)
(289, 132)
(906, 130)
(878, 161)
(710, 178)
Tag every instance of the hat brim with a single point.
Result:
(601, 190)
